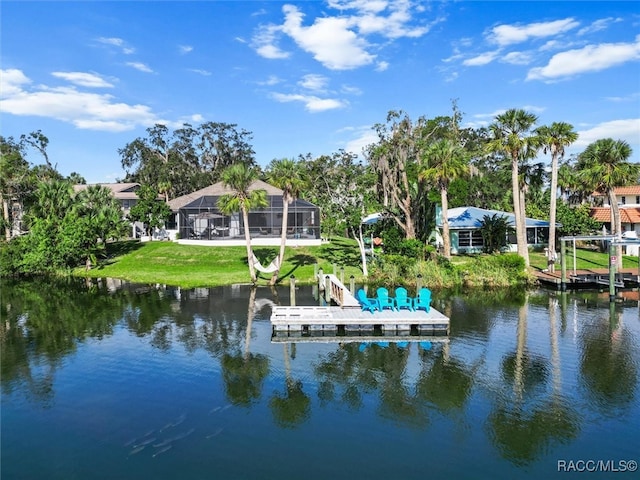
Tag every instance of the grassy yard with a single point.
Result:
(585, 259)
(190, 266)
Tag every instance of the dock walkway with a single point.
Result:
(330, 318)
(593, 277)
(348, 317)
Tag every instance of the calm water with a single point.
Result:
(121, 381)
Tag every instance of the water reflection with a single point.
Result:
(530, 420)
(292, 407)
(609, 361)
(534, 370)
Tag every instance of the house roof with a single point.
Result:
(217, 189)
(471, 217)
(121, 191)
(629, 190)
(627, 214)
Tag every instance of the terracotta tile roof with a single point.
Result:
(627, 215)
(630, 190)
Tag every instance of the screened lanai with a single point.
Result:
(199, 218)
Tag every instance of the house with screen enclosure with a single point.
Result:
(196, 219)
(466, 237)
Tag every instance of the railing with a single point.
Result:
(336, 290)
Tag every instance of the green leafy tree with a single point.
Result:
(149, 210)
(100, 216)
(288, 175)
(15, 183)
(240, 179)
(604, 166)
(76, 179)
(494, 230)
(186, 159)
(443, 162)
(511, 135)
(576, 220)
(554, 139)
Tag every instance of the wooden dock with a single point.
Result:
(590, 278)
(353, 319)
(347, 318)
(362, 337)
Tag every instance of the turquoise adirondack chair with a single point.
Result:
(384, 300)
(423, 300)
(370, 304)
(403, 300)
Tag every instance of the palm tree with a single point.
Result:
(444, 161)
(511, 135)
(287, 175)
(240, 178)
(554, 139)
(604, 166)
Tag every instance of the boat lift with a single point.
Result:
(613, 240)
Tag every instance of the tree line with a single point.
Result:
(415, 165)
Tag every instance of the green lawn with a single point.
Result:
(190, 266)
(585, 259)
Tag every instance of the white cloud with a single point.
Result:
(509, 34)
(117, 42)
(633, 97)
(591, 58)
(482, 59)
(199, 71)
(328, 39)
(517, 58)
(264, 42)
(140, 66)
(350, 90)
(601, 24)
(311, 102)
(84, 79)
(11, 82)
(184, 49)
(626, 129)
(314, 82)
(361, 138)
(271, 80)
(382, 66)
(340, 42)
(83, 109)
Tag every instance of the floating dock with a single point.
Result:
(350, 319)
(347, 318)
(591, 278)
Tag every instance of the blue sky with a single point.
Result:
(311, 76)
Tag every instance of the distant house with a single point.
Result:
(465, 223)
(629, 205)
(197, 219)
(125, 193)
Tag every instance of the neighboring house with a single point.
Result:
(126, 194)
(465, 223)
(197, 219)
(629, 205)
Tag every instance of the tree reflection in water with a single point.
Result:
(293, 407)
(244, 372)
(607, 364)
(524, 423)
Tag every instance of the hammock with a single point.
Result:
(272, 267)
